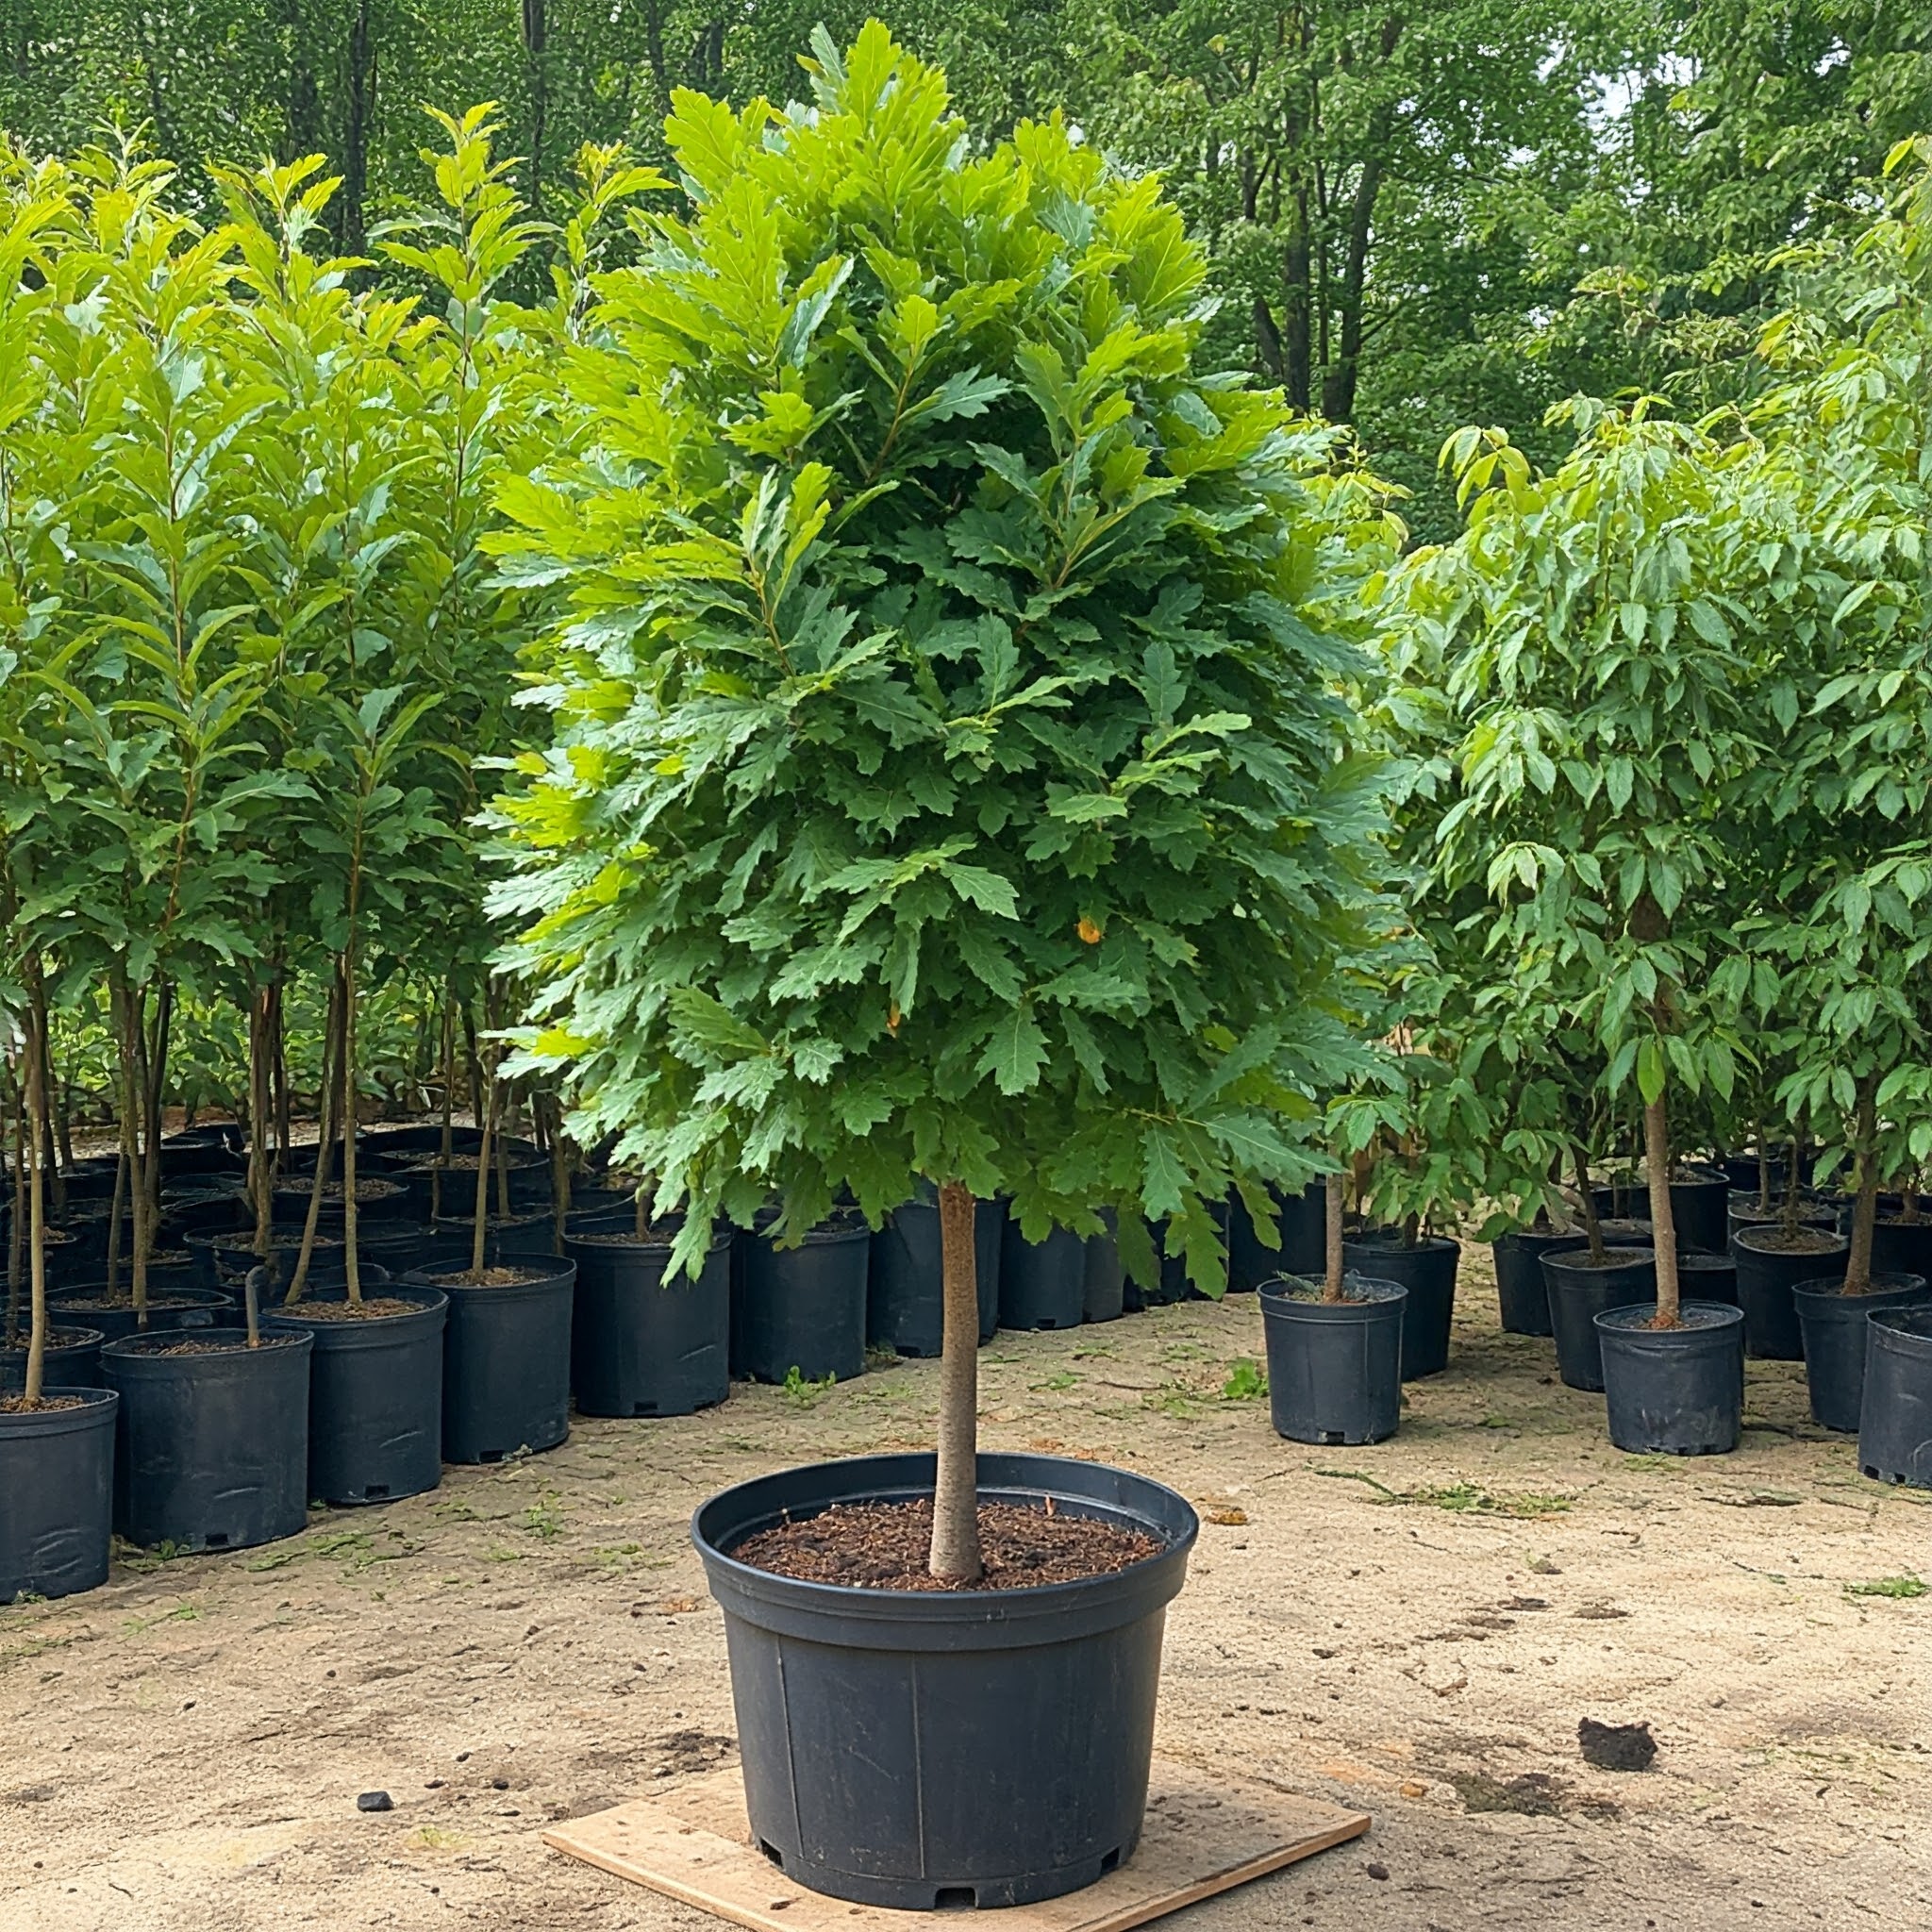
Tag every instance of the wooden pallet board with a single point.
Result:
(1205, 1833)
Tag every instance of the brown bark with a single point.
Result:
(1586, 1195)
(955, 1488)
(1865, 1214)
(1333, 1203)
(1663, 1224)
(16, 1226)
(37, 1198)
(327, 1116)
(480, 1232)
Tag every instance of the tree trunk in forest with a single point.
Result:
(1663, 1223)
(955, 1488)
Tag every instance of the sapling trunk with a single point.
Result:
(325, 1140)
(37, 1196)
(1763, 1171)
(1663, 1226)
(503, 1133)
(955, 1488)
(1586, 1195)
(481, 1229)
(128, 1005)
(261, 1182)
(17, 1225)
(1865, 1213)
(352, 1266)
(559, 1166)
(117, 1208)
(52, 1177)
(279, 1067)
(1333, 1207)
(1909, 1198)
(449, 1081)
(1788, 1220)
(157, 1088)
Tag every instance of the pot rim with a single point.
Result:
(228, 1344)
(1388, 1296)
(1624, 1324)
(95, 1411)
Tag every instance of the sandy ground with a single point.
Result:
(1414, 1629)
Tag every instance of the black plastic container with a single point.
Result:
(1895, 1425)
(1700, 1198)
(803, 1307)
(211, 1449)
(375, 1395)
(1703, 1277)
(1521, 1289)
(1673, 1391)
(1902, 1247)
(1743, 1212)
(1766, 1276)
(905, 1294)
(1334, 1368)
(641, 1343)
(1104, 1280)
(1427, 1270)
(1007, 1734)
(1579, 1293)
(56, 1493)
(506, 1359)
(1302, 1223)
(1043, 1284)
(1833, 1327)
(73, 1361)
(179, 1308)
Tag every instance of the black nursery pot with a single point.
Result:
(1521, 1290)
(375, 1395)
(1334, 1368)
(1833, 1325)
(1300, 1219)
(1707, 1278)
(211, 1448)
(1579, 1293)
(73, 1361)
(506, 1358)
(642, 1342)
(803, 1307)
(1103, 1279)
(177, 1308)
(1673, 1391)
(1043, 1284)
(1427, 1270)
(1700, 1203)
(1007, 1733)
(1767, 1274)
(905, 1307)
(1902, 1247)
(1895, 1427)
(56, 1493)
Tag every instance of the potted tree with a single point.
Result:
(948, 787)
(1595, 677)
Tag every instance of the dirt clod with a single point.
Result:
(1616, 1747)
(374, 1801)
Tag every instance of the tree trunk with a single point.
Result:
(481, 1233)
(16, 1226)
(1865, 1215)
(1663, 1226)
(37, 1198)
(449, 1081)
(560, 1168)
(285, 1121)
(955, 1488)
(359, 115)
(1586, 1195)
(352, 1265)
(261, 1182)
(43, 1083)
(1334, 1201)
(325, 1139)
(1297, 348)
(536, 40)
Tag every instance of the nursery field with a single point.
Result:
(1414, 1628)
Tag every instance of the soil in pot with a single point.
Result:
(1673, 1391)
(1895, 1422)
(116, 1316)
(1334, 1368)
(56, 1492)
(1771, 1262)
(644, 1342)
(1834, 1326)
(1043, 1284)
(1103, 1279)
(212, 1441)
(1007, 1732)
(905, 1309)
(1581, 1291)
(1426, 1268)
(1521, 1290)
(375, 1392)
(73, 1361)
(506, 1357)
(803, 1307)
(1299, 1222)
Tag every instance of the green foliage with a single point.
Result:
(1901, 1588)
(954, 775)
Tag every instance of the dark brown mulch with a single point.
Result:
(16, 1404)
(372, 1190)
(185, 1342)
(56, 1338)
(1806, 1240)
(369, 1309)
(74, 1305)
(1613, 1257)
(884, 1547)
(464, 1163)
(660, 1236)
(490, 1277)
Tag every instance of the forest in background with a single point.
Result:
(1416, 217)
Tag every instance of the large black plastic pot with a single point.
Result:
(803, 1307)
(179, 1308)
(211, 1449)
(905, 1305)
(917, 1749)
(1703, 1277)
(1300, 1220)
(1767, 1274)
(1743, 1212)
(56, 1493)
(1673, 1391)
(1521, 1289)
(73, 1361)
(506, 1359)
(1043, 1284)
(1895, 1426)
(1902, 1247)
(1334, 1368)
(375, 1395)
(1427, 1270)
(643, 1344)
(1579, 1293)
(1833, 1327)
(1104, 1281)
(1700, 1198)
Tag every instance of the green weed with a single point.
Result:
(1901, 1586)
(801, 1391)
(1245, 1382)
